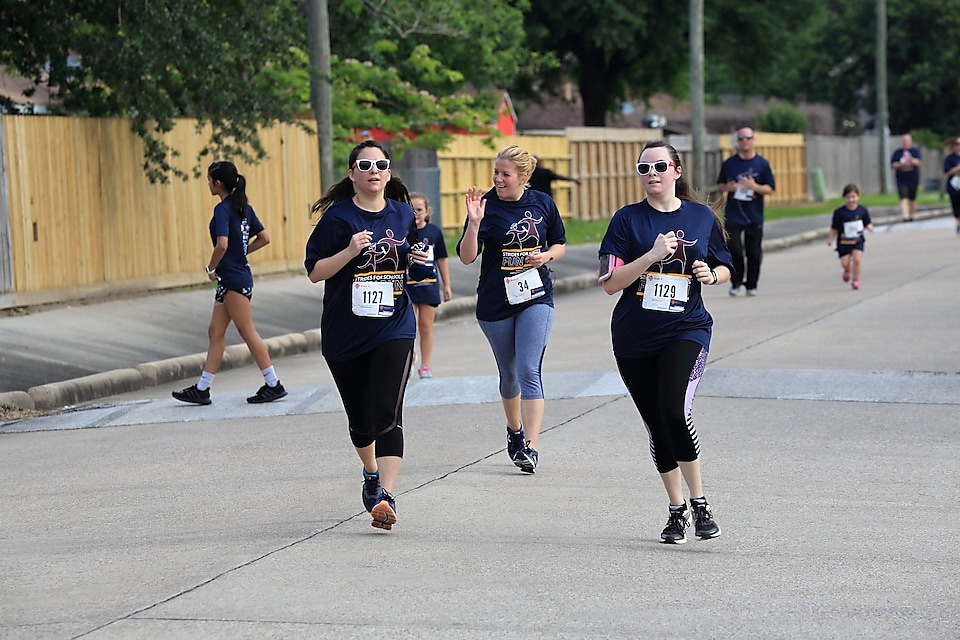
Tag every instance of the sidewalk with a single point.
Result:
(827, 419)
(78, 353)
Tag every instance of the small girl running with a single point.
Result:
(847, 227)
(422, 285)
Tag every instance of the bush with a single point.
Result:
(782, 117)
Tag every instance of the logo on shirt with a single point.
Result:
(523, 238)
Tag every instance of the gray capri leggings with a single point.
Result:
(518, 345)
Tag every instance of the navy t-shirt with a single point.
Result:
(233, 270)
(509, 232)
(842, 215)
(427, 276)
(950, 162)
(343, 334)
(632, 231)
(750, 210)
(907, 177)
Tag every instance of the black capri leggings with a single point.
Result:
(662, 386)
(371, 388)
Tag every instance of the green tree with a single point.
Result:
(241, 67)
(615, 50)
(156, 61)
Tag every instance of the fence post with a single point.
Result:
(6, 248)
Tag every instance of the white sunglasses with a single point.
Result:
(367, 165)
(660, 166)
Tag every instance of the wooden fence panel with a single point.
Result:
(83, 217)
(605, 162)
(785, 152)
(469, 160)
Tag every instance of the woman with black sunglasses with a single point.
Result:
(658, 254)
(360, 248)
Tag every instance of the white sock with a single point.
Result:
(206, 380)
(270, 376)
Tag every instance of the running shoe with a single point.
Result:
(371, 490)
(751, 292)
(268, 394)
(676, 530)
(193, 395)
(855, 284)
(846, 275)
(424, 372)
(704, 524)
(516, 441)
(385, 512)
(734, 291)
(526, 459)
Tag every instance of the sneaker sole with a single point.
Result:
(526, 465)
(200, 402)
(383, 516)
(681, 541)
(709, 537)
(256, 400)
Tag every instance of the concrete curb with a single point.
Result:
(60, 395)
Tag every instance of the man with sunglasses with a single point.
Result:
(746, 178)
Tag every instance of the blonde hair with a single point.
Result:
(523, 160)
(414, 195)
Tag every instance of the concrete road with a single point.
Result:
(828, 422)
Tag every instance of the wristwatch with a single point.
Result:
(209, 271)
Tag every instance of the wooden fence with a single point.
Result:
(83, 219)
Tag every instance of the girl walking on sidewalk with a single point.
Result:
(422, 284)
(235, 232)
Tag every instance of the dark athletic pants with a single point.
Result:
(745, 239)
(371, 388)
(662, 387)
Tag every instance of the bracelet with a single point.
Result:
(209, 271)
(714, 274)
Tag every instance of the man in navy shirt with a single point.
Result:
(746, 178)
(905, 162)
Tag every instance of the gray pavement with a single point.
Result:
(830, 441)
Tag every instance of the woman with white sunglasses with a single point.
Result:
(360, 249)
(658, 254)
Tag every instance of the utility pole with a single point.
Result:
(318, 36)
(696, 95)
(883, 112)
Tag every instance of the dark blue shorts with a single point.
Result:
(247, 292)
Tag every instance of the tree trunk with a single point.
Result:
(593, 88)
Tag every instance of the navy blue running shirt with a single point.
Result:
(233, 270)
(344, 335)
(632, 231)
(508, 232)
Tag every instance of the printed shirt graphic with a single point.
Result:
(637, 331)
(432, 236)
(344, 335)
(509, 232)
(233, 269)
